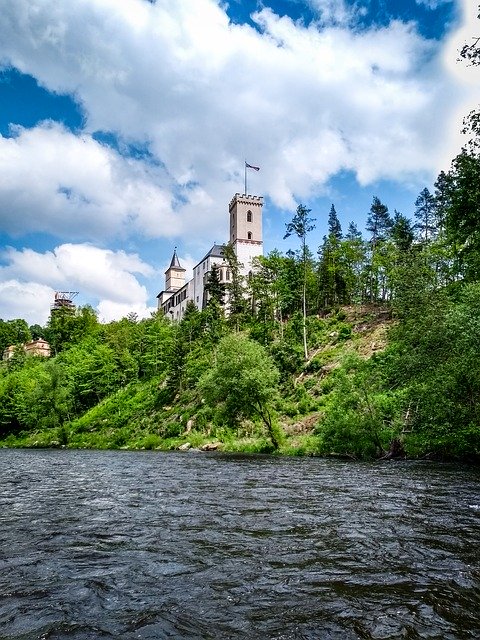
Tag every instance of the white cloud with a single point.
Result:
(303, 102)
(433, 4)
(336, 12)
(74, 187)
(28, 300)
(106, 279)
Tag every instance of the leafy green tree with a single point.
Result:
(13, 332)
(461, 221)
(36, 331)
(301, 225)
(69, 326)
(433, 358)
(243, 382)
(154, 345)
(470, 52)
(402, 232)
(359, 420)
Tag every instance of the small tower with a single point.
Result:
(246, 227)
(175, 274)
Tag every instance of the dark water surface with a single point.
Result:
(151, 545)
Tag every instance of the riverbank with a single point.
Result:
(344, 402)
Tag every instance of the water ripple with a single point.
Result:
(150, 546)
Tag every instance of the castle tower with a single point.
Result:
(246, 228)
(175, 274)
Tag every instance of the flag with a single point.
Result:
(249, 166)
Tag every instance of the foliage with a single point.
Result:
(241, 371)
(301, 225)
(243, 382)
(13, 332)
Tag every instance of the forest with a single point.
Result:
(366, 347)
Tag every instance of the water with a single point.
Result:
(150, 546)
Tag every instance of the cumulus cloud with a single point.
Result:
(432, 4)
(25, 299)
(306, 101)
(201, 94)
(106, 279)
(71, 186)
(337, 12)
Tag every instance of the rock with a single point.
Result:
(210, 446)
(189, 426)
(185, 446)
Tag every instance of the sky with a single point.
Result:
(125, 125)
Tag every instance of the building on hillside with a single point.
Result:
(9, 352)
(246, 226)
(39, 347)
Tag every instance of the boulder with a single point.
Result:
(210, 446)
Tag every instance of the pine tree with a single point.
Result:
(334, 226)
(331, 268)
(425, 213)
(214, 288)
(402, 232)
(300, 226)
(379, 225)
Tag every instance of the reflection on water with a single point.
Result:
(151, 545)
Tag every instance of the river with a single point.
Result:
(149, 545)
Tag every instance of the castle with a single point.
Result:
(245, 238)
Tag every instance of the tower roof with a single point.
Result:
(175, 262)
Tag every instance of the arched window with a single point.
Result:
(249, 235)
(249, 216)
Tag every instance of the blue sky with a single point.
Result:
(124, 126)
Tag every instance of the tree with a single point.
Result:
(300, 226)
(334, 226)
(214, 287)
(402, 232)
(331, 266)
(379, 225)
(471, 123)
(13, 332)
(237, 298)
(461, 221)
(425, 213)
(68, 327)
(354, 252)
(243, 382)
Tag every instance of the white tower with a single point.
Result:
(175, 274)
(246, 228)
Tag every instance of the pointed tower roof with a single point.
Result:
(175, 262)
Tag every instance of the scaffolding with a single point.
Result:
(64, 300)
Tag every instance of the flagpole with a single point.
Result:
(245, 163)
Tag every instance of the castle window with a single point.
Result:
(228, 274)
(249, 216)
(249, 235)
